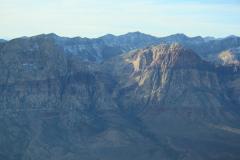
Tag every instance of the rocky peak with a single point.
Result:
(179, 37)
(137, 33)
(49, 35)
(108, 37)
(174, 55)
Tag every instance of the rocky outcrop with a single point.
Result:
(230, 57)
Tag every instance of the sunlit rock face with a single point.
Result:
(170, 77)
(230, 57)
(90, 99)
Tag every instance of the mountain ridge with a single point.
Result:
(138, 32)
(207, 48)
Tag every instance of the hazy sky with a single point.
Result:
(93, 18)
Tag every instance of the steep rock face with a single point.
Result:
(170, 77)
(58, 112)
(36, 71)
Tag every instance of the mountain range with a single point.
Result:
(133, 96)
(99, 49)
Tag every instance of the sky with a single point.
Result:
(94, 18)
